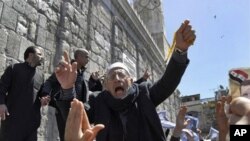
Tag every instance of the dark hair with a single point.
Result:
(30, 49)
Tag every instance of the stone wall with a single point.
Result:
(109, 29)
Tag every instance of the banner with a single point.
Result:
(193, 123)
(239, 82)
(165, 121)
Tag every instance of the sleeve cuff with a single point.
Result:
(180, 57)
(67, 94)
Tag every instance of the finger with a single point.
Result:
(72, 124)
(88, 135)
(183, 26)
(187, 29)
(66, 56)
(85, 120)
(74, 67)
(190, 37)
(96, 129)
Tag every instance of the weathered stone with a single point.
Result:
(31, 13)
(80, 43)
(95, 48)
(1, 7)
(56, 5)
(41, 37)
(74, 39)
(51, 27)
(65, 46)
(47, 61)
(82, 34)
(32, 2)
(23, 46)
(42, 6)
(13, 44)
(74, 28)
(42, 21)
(22, 20)
(69, 9)
(3, 39)
(2, 61)
(99, 38)
(66, 23)
(51, 15)
(50, 39)
(32, 31)
(9, 17)
(19, 5)
(21, 30)
(80, 19)
(8, 2)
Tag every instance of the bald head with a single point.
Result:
(80, 52)
(81, 57)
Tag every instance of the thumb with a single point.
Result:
(96, 129)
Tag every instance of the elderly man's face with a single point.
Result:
(117, 82)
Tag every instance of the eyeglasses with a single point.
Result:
(117, 74)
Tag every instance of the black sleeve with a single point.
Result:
(94, 85)
(166, 85)
(50, 84)
(174, 138)
(5, 83)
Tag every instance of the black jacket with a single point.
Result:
(21, 82)
(133, 118)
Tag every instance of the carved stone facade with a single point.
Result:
(109, 29)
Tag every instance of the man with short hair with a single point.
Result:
(19, 103)
(126, 109)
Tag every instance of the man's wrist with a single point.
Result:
(68, 94)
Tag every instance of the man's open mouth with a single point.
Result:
(117, 89)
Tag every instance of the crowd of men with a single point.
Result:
(120, 110)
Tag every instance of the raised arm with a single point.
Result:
(163, 88)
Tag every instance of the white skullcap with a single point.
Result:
(117, 65)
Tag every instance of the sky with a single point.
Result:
(222, 40)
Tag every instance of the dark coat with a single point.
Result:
(133, 118)
(20, 81)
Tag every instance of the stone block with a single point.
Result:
(1, 7)
(3, 39)
(13, 44)
(22, 20)
(50, 40)
(95, 48)
(33, 2)
(99, 38)
(23, 46)
(21, 30)
(42, 21)
(8, 2)
(2, 62)
(70, 10)
(41, 37)
(9, 17)
(32, 31)
(19, 5)
(31, 13)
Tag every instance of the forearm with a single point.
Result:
(169, 81)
